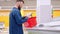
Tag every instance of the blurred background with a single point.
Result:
(29, 6)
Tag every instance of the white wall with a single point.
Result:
(12, 3)
(56, 4)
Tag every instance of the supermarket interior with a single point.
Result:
(45, 12)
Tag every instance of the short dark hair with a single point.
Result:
(20, 1)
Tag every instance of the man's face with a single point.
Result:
(21, 4)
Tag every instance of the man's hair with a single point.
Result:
(20, 1)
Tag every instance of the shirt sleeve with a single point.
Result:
(19, 19)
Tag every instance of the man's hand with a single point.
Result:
(29, 15)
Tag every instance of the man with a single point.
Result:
(16, 20)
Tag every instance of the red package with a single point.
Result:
(31, 22)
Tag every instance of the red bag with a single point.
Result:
(31, 22)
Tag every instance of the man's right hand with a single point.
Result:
(29, 15)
